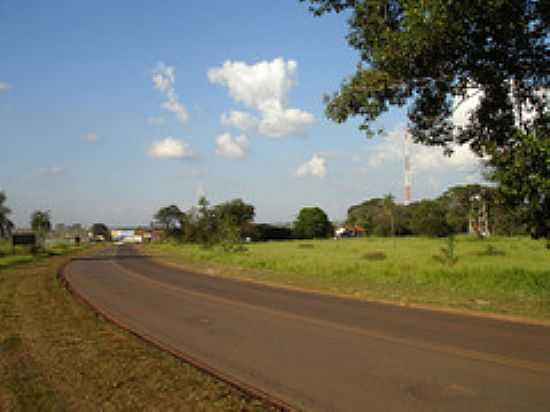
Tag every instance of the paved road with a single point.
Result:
(324, 353)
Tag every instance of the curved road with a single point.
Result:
(319, 352)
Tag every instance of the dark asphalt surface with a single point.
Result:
(324, 353)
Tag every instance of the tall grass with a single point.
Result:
(496, 269)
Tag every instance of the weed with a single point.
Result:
(447, 253)
(375, 256)
(490, 250)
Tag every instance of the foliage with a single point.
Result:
(429, 219)
(522, 169)
(263, 232)
(41, 223)
(170, 218)
(6, 225)
(311, 223)
(433, 53)
(389, 211)
(100, 229)
(222, 224)
(447, 254)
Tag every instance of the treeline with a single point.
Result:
(230, 223)
(459, 210)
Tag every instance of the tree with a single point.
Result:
(431, 54)
(523, 172)
(41, 223)
(429, 218)
(6, 225)
(389, 211)
(170, 218)
(237, 212)
(100, 229)
(312, 222)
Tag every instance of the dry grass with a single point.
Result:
(56, 354)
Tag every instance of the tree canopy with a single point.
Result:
(169, 217)
(523, 172)
(100, 229)
(40, 222)
(431, 54)
(312, 222)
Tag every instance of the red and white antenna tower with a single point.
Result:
(408, 170)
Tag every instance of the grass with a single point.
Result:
(503, 275)
(57, 355)
(24, 255)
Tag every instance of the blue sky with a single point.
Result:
(110, 110)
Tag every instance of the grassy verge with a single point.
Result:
(501, 275)
(55, 354)
(23, 254)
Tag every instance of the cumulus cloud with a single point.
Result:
(239, 120)
(423, 158)
(90, 137)
(170, 148)
(264, 86)
(231, 147)
(4, 87)
(313, 167)
(164, 78)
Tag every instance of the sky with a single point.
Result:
(111, 110)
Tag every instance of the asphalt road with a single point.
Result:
(324, 353)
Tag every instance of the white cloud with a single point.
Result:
(4, 87)
(156, 121)
(423, 158)
(170, 148)
(164, 78)
(313, 167)
(240, 120)
(231, 147)
(90, 137)
(264, 86)
(463, 107)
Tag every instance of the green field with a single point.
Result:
(504, 275)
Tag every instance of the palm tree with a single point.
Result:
(41, 223)
(6, 225)
(389, 209)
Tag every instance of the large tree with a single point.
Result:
(6, 225)
(170, 218)
(523, 172)
(430, 54)
(312, 222)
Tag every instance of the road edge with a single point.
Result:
(245, 388)
(418, 306)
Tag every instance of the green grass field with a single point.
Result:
(504, 275)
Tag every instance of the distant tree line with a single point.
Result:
(450, 213)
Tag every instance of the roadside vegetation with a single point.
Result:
(56, 355)
(501, 274)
